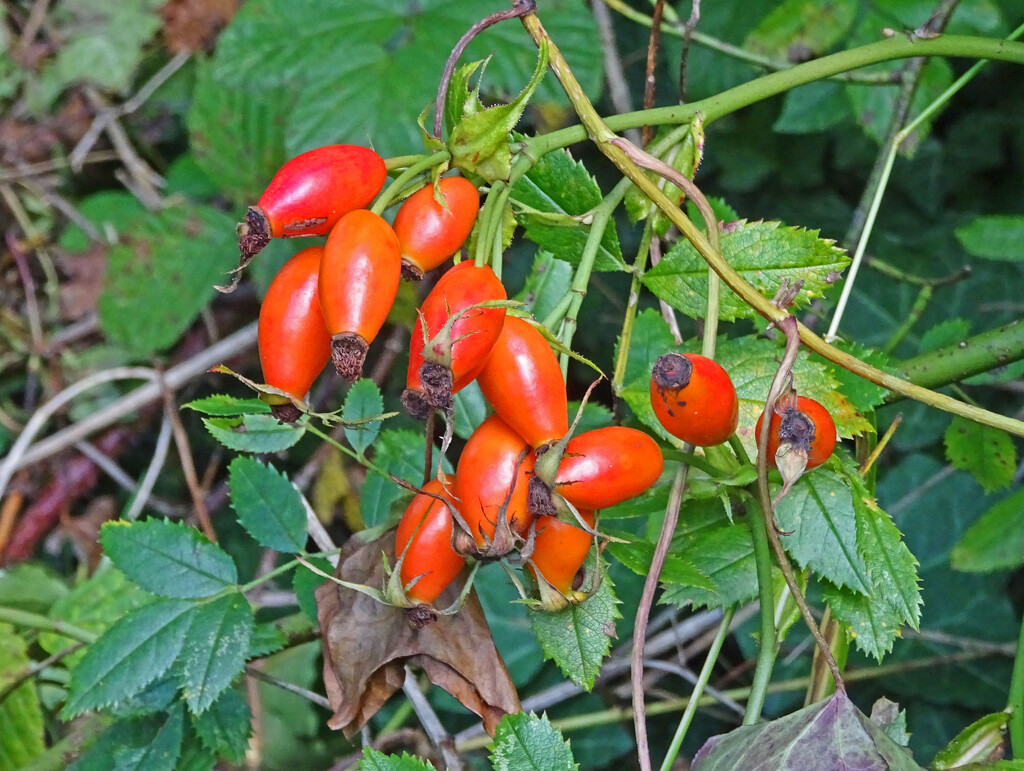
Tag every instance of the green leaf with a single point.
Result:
(305, 582)
(812, 108)
(378, 761)
(93, 605)
(796, 30)
(266, 638)
(818, 515)
(30, 587)
(237, 135)
(462, 99)
(995, 541)
(984, 738)
(945, 332)
(986, 453)
(638, 555)
(480, 142)
(215, 649)
(161, 273)
(363, 400)
(529, 743)
(172, 560)
(254, 433)
(994, 237)
(546, 285)
(222, 405)
(724, 553)
(398, 452)
(226, 726)
(888, 716)
(134, 652)
(829, 734)
(558, 185)
(268, 505)
(155, 697)
(578, 637)
(21, 718)
(764, 253)
(862, 394)
(109, 212)
(143, 744)
(470, 410)
(103, 43)
(330, 57)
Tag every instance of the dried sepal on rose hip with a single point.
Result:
(801, 436)
(453, 337)
(294, 344)
(307, 196)
(694, 399)
(359, 275)
(432, 225)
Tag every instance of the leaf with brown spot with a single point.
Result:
(368, 644)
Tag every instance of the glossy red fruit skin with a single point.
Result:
(560, 549)
(428, 232)
(473, 333)
(430, 554)
(705, 410)
(359, 275)
(487, 469)
(293, 340)
(819, 447)
(312, 191)
(606, 466)
(523, 382)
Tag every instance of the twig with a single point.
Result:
(652, 60)
(318, 533)
(667, 311)
(284, 685)
(36, 16)
(618, 88)
(8, 513)
(692, 678)
(431, 723)
(188, 465)
(19, 456)
(145, 488)
(684, 57)
(109, 466)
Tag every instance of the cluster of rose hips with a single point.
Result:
(524, 487)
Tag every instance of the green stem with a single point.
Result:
(270, 574)
(35, 621)
(1016, 702)
(402, 161)
(773, 84)
(392, 191)
(358, 457)
(626, 336)
(603, 136)
(971, 356)
(924, 296)
(766, 595)
(698, 689)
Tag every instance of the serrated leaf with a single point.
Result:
(134, 652)
(254, 433)
(871, 624)
(397, 452)
(142, 744)
(797, 27)
(820, 523)
(829, 734)
(637, 556)
(578, 637)
(986, 453)
(995, 541)
(226, 726)
(268, 505)
(22, 735)
(462, 100)
(93, 605)
(888, 716)
(994, 237)
(329, 59)
(214, 650)
(266, 638)
(764, 253)
(546, 285)
(378, 761)
(862, 394)
(724, 553)
(161, 273)
(168, 559)
(558, 185)
(155, 697)
(222, 405)
(363, 400)
(237, 135)
(529, 743)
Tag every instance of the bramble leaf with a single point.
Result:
(168, 559)
(578, 637)
(378, 761)
(530, 743)
(268, 505)
(764, 253)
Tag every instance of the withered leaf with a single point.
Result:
(367, 645)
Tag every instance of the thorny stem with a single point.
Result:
(883, 179)
(970, 356)
(698, 689)
(601, 133)
(519, 8)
